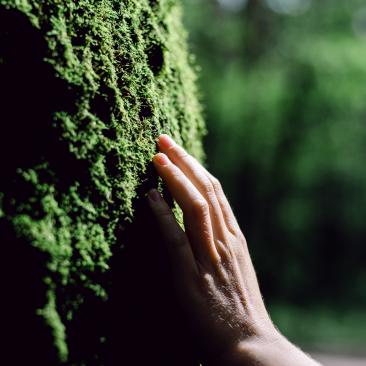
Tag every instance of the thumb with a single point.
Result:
(174, 238)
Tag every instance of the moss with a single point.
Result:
(127, 78)
(52, 318)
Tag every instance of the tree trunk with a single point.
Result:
(86, 87)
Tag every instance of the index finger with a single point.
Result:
(195, 208)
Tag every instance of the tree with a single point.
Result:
(86, 87)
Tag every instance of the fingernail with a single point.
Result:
(161, 159)
(154, 195)
(165, 141)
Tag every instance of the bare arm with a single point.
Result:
(213, 272)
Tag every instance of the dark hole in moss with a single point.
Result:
(94, 47)
(108, 93)
(110, 133)
(101, 108)
(79, 38)
(155, 55)
(133, 36)
(153, 3)
(146, 111)
(128, 20)
(145, 14)
(145, 79)
(116, 6)
(163, 25)
(112, 162)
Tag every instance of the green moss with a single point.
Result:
(52, 318)
(129, 65)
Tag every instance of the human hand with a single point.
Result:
(213, 273)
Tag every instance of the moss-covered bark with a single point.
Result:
(86, 87)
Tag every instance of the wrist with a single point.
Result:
(270, 349)
(245, 352)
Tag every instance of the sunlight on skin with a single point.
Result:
(214, 276)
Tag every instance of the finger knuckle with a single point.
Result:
(216, 184)
(207, 187)
(207, 280)
(224, 251)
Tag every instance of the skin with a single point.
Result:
(212, 269)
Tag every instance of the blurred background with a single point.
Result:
(283, 84)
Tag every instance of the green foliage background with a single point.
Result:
(115, 74)
(285, 106)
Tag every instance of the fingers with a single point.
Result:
(175, 239)
(194, 206)
(196, 173)
(227, 212)
(221, 213)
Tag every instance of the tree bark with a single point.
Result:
(85, 89)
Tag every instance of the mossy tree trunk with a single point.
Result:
(86, 87)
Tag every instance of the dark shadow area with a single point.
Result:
(146, 111)
(155, 55)
(26, 337)
(147, 327)
(140, 324)
(29, 93)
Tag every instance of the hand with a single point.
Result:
(212, 269)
